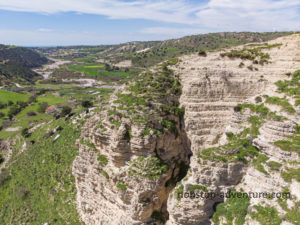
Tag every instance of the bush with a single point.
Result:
(42, 107)
(102, 159)
(31, 113)
(121, 185)
(2, 114)
(22, 192)
(86, 104)
(25, 133)
(1, 159)
(4, 176)
(13, 110)
(31, 99)
(258, 99)
(241, 65)
(202, 53)
(66, 110)
(237, 108)
(266, 215)
(2, 105)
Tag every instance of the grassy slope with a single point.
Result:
(22, 119)
(94, 70)
(6, 96)
(44, 171)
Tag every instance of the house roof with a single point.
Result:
(50, 109)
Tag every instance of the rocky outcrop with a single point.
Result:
(137, 169)
(212, 87)
(125, 170)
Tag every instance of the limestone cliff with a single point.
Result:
(213, 86)
(132, 153)
(204, 124)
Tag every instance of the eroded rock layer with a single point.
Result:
(138, 158)
(212, 87)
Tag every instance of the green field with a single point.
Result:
(88, 69)
(6, 96)
(96, 70)
(24, 121)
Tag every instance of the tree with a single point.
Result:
(13, 110)
(31, 99)
(25, 133)
(66, 110)
(202, 53)
(42, 107)
(86, 104)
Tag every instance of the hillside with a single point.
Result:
(16, 64)
(145, 54)
(222, 123)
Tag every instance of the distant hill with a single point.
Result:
(204, 42)
(16, 64)
(145, 54)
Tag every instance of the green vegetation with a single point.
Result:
(105, 174)
(14, 97)
(234, 209)
(274, 166)
(256, 121)
(196, 187)
(102, 159)
(88, 69)
(152, 100)
(96, 70)
(293, 142)
(292, 214)
(266, 215)
(283, 102)
(262, 110)
(149, 167)
(259, 161)
(238, 149)
(121, 185)
(195, 43)
(40, 188)
(289, 174)
(289, 146)
(178, 192)
(290, 87)
(17, 64)
(89, 144)
(253, 54)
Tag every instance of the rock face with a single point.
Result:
(212, 86)
(125, 170)
(128, 174)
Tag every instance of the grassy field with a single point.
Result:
(68, 91)
(96, 70)
(40, 188)
(88, 69)
(6, 96)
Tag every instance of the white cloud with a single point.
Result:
(206, 16)
(44, 30)
(171, 32)
(219, 14)
(254, 15)
(176, 11)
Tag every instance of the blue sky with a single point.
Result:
(91, 22)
